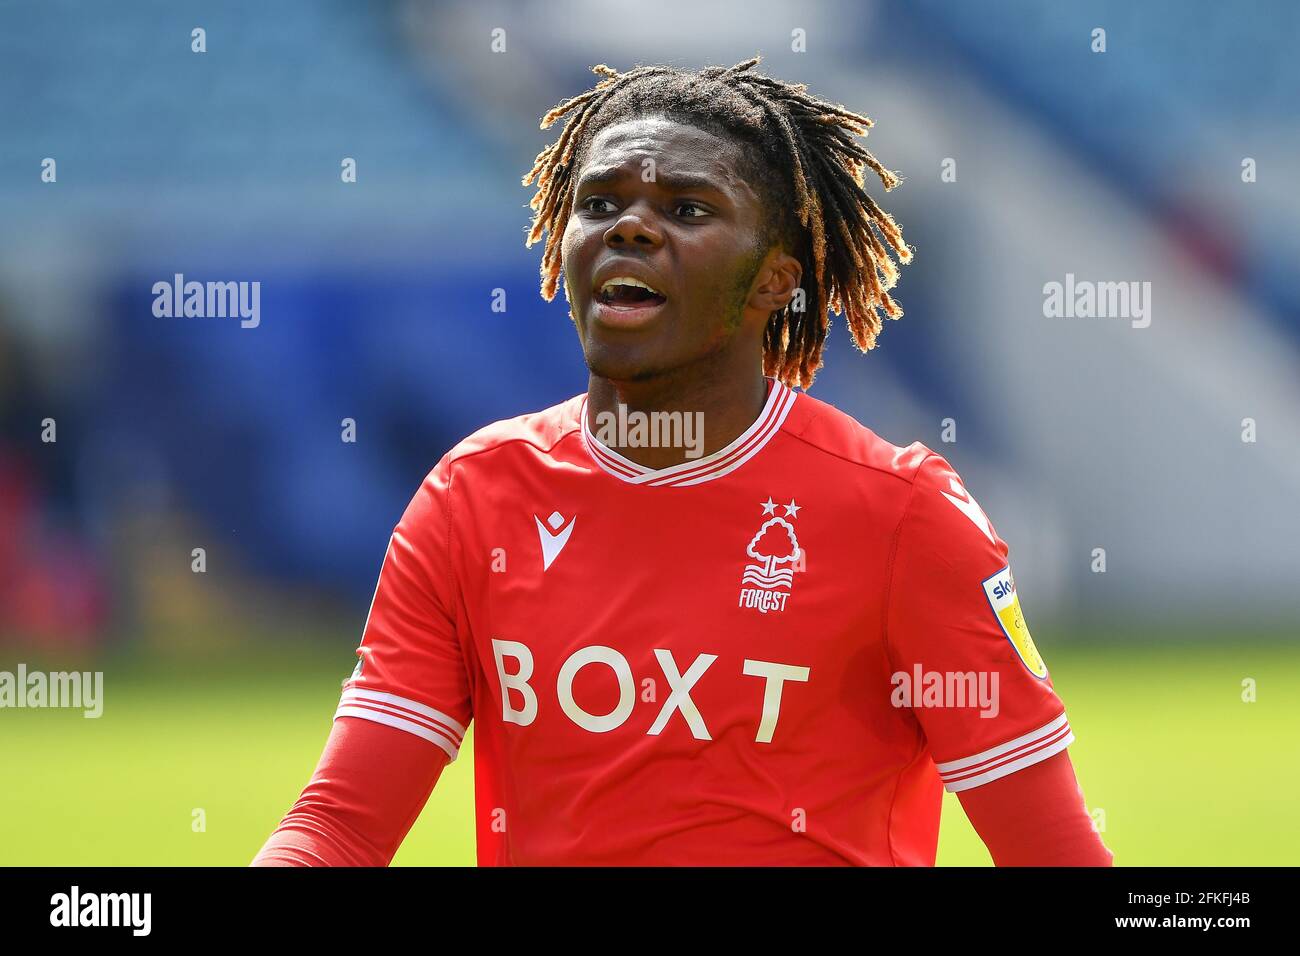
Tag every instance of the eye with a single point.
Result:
(587, 204)
(699, 213)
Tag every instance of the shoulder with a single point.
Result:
(426, 523)
(932, 500)
(525, 437)
(533, 433)
(839, 436)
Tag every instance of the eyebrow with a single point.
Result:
(677, 181)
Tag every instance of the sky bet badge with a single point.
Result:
(1001, 591)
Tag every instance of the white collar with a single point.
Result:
(780, 399)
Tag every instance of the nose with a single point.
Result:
(633, 228)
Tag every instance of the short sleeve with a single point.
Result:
(964, 660)
(411, 673)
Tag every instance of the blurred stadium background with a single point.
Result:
(175, 434)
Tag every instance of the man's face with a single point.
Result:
(661, 203)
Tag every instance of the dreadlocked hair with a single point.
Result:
(808, 167)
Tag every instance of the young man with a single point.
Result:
(775, 644)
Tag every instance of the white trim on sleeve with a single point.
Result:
(1025, 751)
(404, 714)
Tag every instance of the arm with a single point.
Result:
(954, 608)
(371, 783)
(404, 711)
(1036, 817)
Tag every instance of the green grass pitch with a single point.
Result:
(1183, 771)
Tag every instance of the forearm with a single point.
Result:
(369, 787)
(1036, 817)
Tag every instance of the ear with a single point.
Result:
(775, 284)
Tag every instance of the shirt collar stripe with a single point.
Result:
(606, 455)
(738, 455)
(780, 399)
(608, 459)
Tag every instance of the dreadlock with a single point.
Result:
(809, 169)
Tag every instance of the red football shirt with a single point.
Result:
(776, 654)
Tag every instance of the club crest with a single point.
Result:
(774, 556)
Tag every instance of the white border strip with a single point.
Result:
(404, 714)
(1001, 749)
(725, 468)
(1024, 751)
(780, 399)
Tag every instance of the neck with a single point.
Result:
(724, 404)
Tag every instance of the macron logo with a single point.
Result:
(553, 539)
(967, 506)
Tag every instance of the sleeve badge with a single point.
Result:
(1001, 592)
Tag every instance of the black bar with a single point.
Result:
(503, 908)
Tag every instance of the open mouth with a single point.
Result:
(628, 293)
